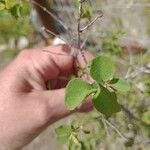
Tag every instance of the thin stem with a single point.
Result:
(72, 48)
(115, 129)
(132, 116)
(91, 23)
(79, 28)
(83, 43)
(105, 127)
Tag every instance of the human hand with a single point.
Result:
(26, 106)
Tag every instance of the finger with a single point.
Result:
(66, 51)
(48, 62)
(58, 83)
(62, 57)
(62, 80)
(53, 105)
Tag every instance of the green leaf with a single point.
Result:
(74, 139)
(96, 86)
(62, 131)
(120, 85)
(76, 92)
(2, 6)
(87, 13)
(146, 117)
(9, 3)
(106, 102)
(16, 11)
(63, 134)
(102, 69)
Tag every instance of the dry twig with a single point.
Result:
(91, 23)
(79, 28)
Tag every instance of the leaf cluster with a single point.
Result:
(12, 6)
(103, 90)
(67, 134)
(86, 9)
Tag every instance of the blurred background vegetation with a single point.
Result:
(124, 34)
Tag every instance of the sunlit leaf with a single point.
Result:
(9, 3)
(102, 69)
(120, 85)
(76, 92)
(2, 6)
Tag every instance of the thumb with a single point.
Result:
(51, 105)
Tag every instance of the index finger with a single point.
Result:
(65, 60)
(54, 61)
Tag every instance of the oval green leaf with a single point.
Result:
(63, 134)
(76, 92)
(9, 3)
(106, 102)
(120, 85)
(102, 69)
(16, 11)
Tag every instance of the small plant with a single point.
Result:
(103, 87)
(103, 90)
(107, 91)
